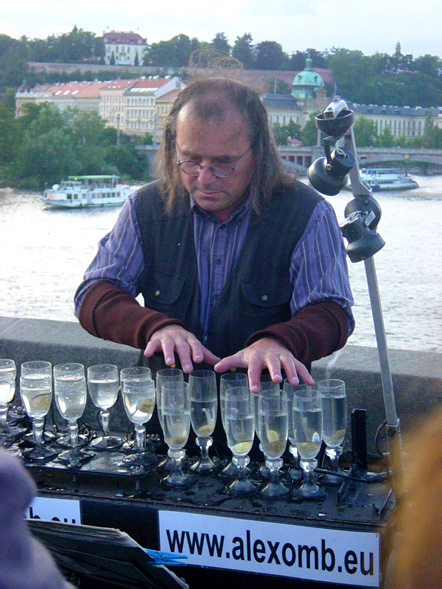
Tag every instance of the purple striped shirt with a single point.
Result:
(318, 268)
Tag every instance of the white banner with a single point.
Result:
(59, 510)
(303, 552)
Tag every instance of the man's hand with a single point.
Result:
(267, 353)
(174, 338)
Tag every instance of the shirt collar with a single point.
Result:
(238, 213)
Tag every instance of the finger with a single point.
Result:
(152, 347)
(304, 374)
(254, 374)
(229, 362)
(289, 365)
(168, 347)
(209, 357)
(196, 349)
(273, 364)
(184, 353)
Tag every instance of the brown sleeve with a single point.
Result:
(314, 332)
(112, 313)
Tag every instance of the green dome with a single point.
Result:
(308, 77)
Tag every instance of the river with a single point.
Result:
(45, 252)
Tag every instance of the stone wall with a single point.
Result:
(417, 377)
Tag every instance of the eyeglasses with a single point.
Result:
(192, 168)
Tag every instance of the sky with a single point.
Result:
(373, 26)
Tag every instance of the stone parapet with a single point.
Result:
(417, 376)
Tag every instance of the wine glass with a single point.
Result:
(203, 411)
(307, 427)
(175, 409)
(8, 373)
(273, 429)
(70, 397)
(227, 381)
(295, 471)
(36, 396)
(103, 385)
(239, 415)
(334, 420)
(162, 376)
(265, 383)
(138, 392)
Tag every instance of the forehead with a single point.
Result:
(213, 136)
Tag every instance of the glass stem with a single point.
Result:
(241, 462)
(73, 434)
(140, 437)
(104, 418)
(333, 454)
(294, 452)
(273, 464)
(3, 416)
(177, 457)
(308, 467)
(37, 428)
(204, 445)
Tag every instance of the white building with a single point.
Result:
(124, 48)
(140, 101)
(404, 121)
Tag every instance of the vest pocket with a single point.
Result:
(269, 300)
(162, 291)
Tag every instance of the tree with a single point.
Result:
(351, 70)
(386, 138)
(221, 44)
(365, 132)
(282, 133)
(309, 134)
(243, 51)
(278, 86)
(297, 60)
(270, 56)
(9, 141)
(8, 99)
(173, 53)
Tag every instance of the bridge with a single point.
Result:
(302, 156)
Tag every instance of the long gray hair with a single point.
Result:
(210, 97)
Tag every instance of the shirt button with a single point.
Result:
(264, 297)
(219, 261)
(157, 293)
(222, 227)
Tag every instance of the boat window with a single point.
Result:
(69, 196)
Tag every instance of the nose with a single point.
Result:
(206, 175)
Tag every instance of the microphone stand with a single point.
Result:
(364, 201)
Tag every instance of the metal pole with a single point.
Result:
(393, 423)
(378, 320)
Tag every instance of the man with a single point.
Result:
(239, 265)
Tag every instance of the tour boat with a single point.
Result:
(87, 191)
(387, 179)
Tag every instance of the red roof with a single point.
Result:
(124, 38)
(92, 90)
(118, 84)
(150, 83)
(170, 96)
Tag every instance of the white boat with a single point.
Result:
(87, 191)
(387, 179)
